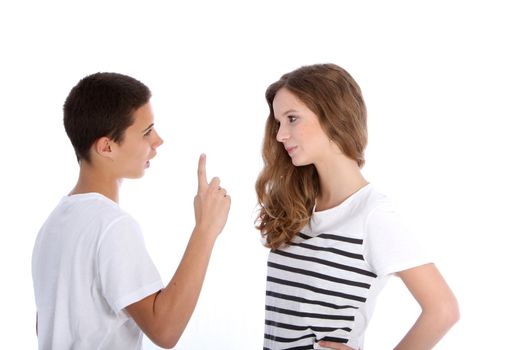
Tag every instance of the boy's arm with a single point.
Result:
(163, 316)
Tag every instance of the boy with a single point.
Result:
(95, 284)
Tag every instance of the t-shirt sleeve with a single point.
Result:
(389, 246)
(127, 273)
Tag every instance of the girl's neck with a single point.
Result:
(339, 180)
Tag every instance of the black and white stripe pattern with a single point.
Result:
(315, 287)
(325, 283)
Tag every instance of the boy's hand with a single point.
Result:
(211, 204)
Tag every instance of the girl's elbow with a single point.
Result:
(449, 313)
(454, 314)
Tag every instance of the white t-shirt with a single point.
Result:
(324, 284)
(89, 263)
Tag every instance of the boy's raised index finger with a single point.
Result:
(201, 172)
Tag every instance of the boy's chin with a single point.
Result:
(135, 175)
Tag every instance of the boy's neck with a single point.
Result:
(92, 180)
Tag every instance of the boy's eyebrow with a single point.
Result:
(149, 127)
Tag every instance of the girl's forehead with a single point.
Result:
(285, 99)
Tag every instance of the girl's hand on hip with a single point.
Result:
(334, 345)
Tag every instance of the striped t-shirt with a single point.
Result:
(324, 284)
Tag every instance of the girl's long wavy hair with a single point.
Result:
(286, 194)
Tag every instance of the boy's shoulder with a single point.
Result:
(88, 208)
(86, 218)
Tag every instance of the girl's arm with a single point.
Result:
(439, 308)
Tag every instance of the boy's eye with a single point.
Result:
(147, 133)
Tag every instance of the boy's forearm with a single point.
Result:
(163, 316)
(175, 304)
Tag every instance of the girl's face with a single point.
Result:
(299, 130)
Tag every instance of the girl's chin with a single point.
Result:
(297, 162)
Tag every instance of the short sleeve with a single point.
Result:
(389, 246)
(127, 273)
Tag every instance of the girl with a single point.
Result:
(334, 239)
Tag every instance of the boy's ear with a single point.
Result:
(103, 147)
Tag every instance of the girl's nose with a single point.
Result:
(282, 134)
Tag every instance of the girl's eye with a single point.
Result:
(147, 133)
(292, 118)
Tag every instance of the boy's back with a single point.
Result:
(89, 262)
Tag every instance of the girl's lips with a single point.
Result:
(291, 149)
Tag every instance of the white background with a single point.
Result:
(443, 82)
